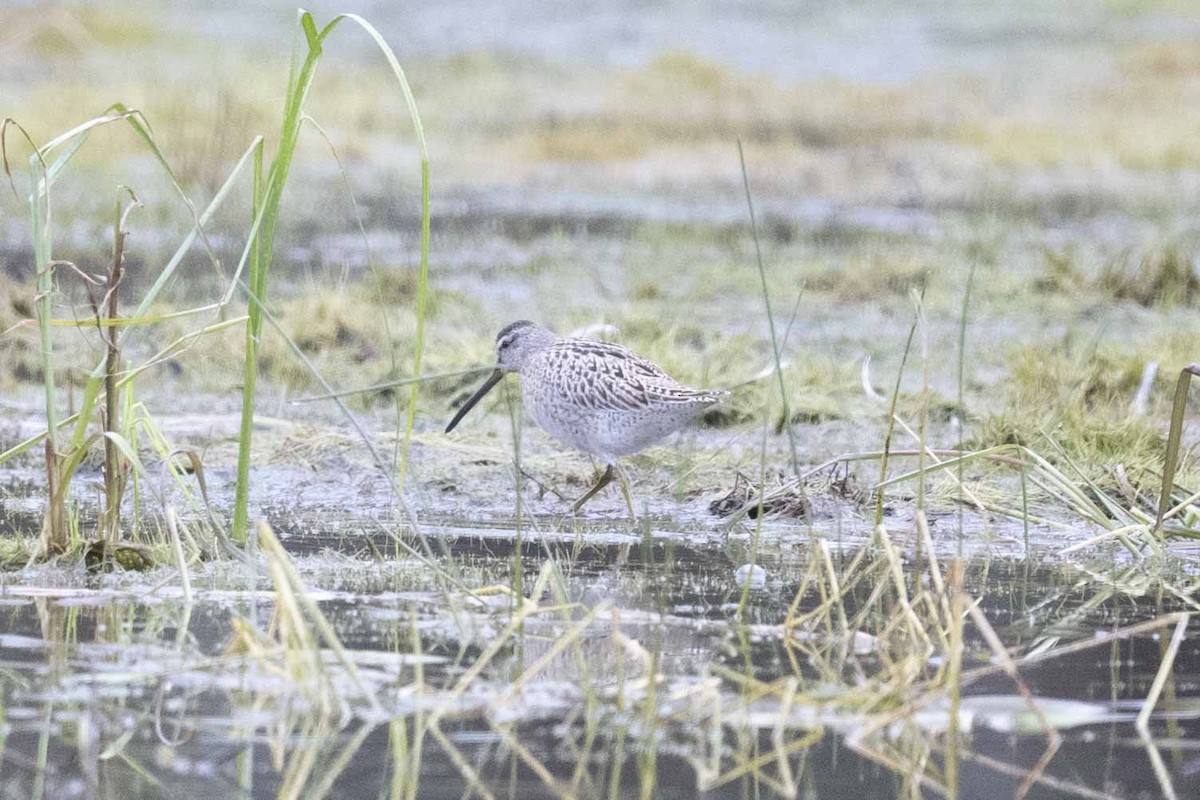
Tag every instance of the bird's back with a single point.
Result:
(604, 398)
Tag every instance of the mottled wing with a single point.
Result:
(609, 377)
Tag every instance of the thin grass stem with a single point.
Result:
(766, 294)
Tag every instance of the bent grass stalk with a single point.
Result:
(1171, 458)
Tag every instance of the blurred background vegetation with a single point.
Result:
(585, 171)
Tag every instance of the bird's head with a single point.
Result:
(515, 343)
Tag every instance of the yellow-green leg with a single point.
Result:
(625, 491)
(605, 479)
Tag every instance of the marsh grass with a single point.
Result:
(875, 650)
(776, 344)
(1164, 278)
(107, 378)
(1088, 406)
(863, 653)
(1160, 276)
(62, 460)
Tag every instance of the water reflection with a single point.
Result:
(623, 679)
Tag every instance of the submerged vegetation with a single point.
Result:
(938, 541)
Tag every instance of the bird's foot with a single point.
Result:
(604, 480)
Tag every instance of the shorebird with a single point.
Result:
(597, 397)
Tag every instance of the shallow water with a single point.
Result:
(112, 686)
(645, 669)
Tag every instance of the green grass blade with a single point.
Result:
(267, 205)
(962, 371)
(249, 363)
(775, 349)
(126, 449)
(891, 429)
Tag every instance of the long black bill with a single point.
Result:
(491, 381)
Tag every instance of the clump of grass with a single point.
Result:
(1069, 373)
(352, 348)
(814, 494)
(1060, 274)
(1075, 406)
(874, 274)
(398, 285)
(331, 329)
(1096, 445)
(1100, 378)
(15, 552)
(935, 406)
(1162, 278)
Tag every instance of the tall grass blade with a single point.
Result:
(962, 371)
(775, 349)
(54, 531)
(891, 429)
(268, 196)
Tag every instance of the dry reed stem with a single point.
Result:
(1043, 780)
(754, 765)
(1053, 740)
(834, 587)
(897, 573)
(536, 766)
(460, 761)
(1164, 672)
(562, 642)
(928, 452)
(185, 578)
(954, 621)
(297, 597)
(1076, 647)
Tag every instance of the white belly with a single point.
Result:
(604, 433)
